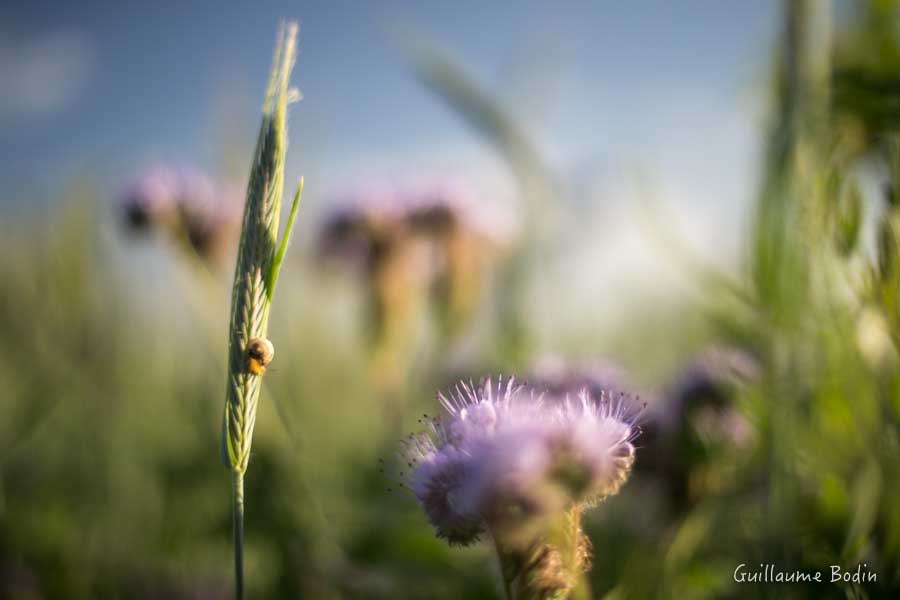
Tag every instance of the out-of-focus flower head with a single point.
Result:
(365, 219)
(210, 214)
(438, 207)
(504, 456)
(694, 420)
(444, 206)
(149, 200)
(437, 480)
(704, 385)
(187, 205)
(595, 437)
(560, 377)
(363, 225)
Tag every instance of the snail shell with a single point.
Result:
(260, 353)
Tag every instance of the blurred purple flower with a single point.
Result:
(437, 480)
(559, 377)
(440, 206)
(508, 482)
(365, 219)
(210, 215)
(705, 381)
(187, 205)
(361, 224)
(149, 200)
(695, 421)
(596, 436)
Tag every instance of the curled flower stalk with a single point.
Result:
(258, 262)
(522, 467)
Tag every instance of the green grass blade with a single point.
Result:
(272, 277)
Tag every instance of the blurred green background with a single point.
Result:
(761, 329)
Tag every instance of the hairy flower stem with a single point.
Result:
(550, 567)
(578, 548)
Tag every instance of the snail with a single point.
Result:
(259, 354)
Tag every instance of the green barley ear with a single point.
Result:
(254, 275)
(257, 267)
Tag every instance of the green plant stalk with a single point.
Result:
(255, 275)
(487, 115)
(237, 512)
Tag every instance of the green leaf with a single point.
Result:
(275, 267)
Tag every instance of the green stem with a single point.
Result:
(238, 527)
(582, 589)
(504, 568)
(507, 584)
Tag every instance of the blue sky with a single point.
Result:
(143, 82)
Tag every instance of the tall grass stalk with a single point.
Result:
(258, 262)
(538, 183)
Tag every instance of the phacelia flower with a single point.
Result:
(560, 377)
(149, 200)
(363, 225)
(186, 205)
(441, 206)
(437, 480)
(695, 424)
(363, 219)
(706, 383)
(710, 373)
(504, 455)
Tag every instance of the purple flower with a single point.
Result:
(508, 483)
(365, 220)
(438, 206)
(187, 205)
(594, 442)
(362, 223)
(706, 382)
(210, 214)
(503, 456)
(478, 412)
(437, 480)
(150, 199)
(559, 377)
